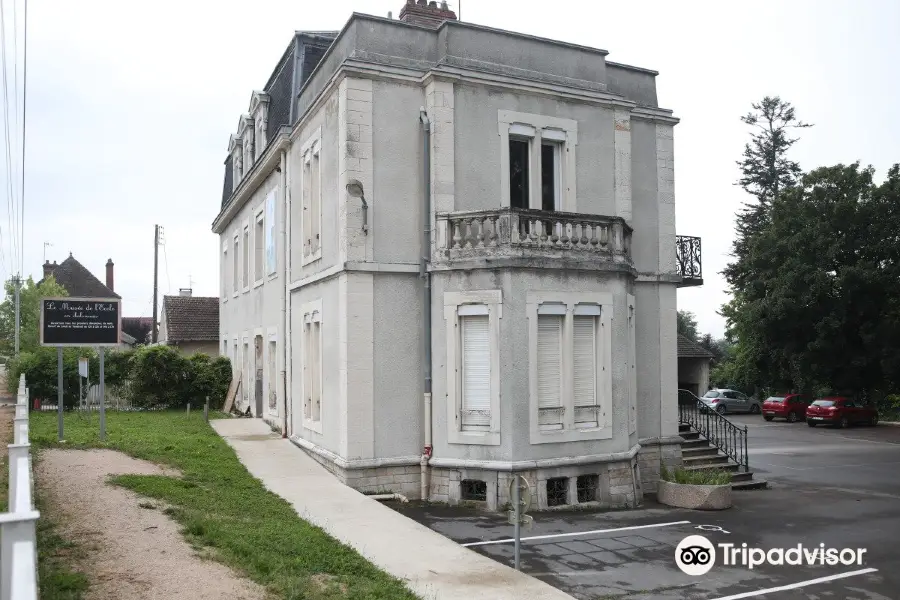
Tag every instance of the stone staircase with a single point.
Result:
(697, 453)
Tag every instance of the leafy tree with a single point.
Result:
(138, 330)
(687, 325)
(822, 309)
(765, 172)
(29, 314)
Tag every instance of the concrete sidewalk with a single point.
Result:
(433, 566)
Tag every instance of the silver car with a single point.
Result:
(730, 401)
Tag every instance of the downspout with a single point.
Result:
(426, 296)
(286, 214)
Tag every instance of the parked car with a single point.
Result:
(730, 401)
(789, 406)
(840, 412)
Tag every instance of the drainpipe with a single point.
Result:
(426, 294)
(285, 241)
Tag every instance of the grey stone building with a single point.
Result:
(456, 260)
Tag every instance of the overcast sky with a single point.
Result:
(130, 105)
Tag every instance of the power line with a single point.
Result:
(10, 174)
(24, 105)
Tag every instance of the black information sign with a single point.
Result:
(80, 321)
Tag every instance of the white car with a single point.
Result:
(730, 401)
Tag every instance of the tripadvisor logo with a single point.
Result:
(695, 555)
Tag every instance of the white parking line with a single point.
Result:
(578, 533)
(794, 586)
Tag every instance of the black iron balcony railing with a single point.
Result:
(688, 262)
(729, 438)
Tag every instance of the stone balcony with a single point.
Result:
(526, 237)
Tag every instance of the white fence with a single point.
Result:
(18, 541)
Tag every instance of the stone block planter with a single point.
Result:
(695, 497)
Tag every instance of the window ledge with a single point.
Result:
(571, 435)
(272, 277)
(245, 290)
(312, 425)
(258, 283)
(311, 258)
(235, 294)
(474, 438)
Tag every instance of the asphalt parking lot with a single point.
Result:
(840, 488)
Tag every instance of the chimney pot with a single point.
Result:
(187, 292)
(426, 13)
(110, 278)
(48, 268)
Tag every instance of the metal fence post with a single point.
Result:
(206, 410)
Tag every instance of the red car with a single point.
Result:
(840, 412)
(790, 406)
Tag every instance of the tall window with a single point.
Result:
(569, 361)
(476, 372)
(246, 257)
(550, 176)
(236, 260)
(259, 240)
(584, 368)
(312, 202)
(312, 363)
(273, 375)
(538, 158)
(246, 379)
(550, 370)
(519, 157)
(224, 275)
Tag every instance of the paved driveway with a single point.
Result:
(840, 488)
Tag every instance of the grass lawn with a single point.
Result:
(225, 510)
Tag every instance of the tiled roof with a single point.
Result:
(690, 349)
(79, 282)
(191, 318)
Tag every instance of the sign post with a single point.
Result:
(82, 374)
(520, 492)
(86, 322)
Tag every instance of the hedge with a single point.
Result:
(149, 376)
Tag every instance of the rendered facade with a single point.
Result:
(456, 260)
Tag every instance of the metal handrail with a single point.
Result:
(729, 438)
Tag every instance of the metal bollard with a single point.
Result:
(189, 409)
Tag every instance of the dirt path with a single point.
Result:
(132, 553)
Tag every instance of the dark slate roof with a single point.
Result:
(79, 282)
(191, 318)
(690, 349)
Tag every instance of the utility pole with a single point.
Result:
(18, 283)
(155, 277)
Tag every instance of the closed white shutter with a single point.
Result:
(476, 372)
(549, 371)
(585, 370)
(317, 371)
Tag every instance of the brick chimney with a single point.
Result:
(110, 279)
(48, 268)
(427, 14)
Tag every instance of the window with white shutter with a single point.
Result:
(476, 372)
(584, 359)
(311, 359)
(549, 371)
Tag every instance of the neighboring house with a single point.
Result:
(190, 323)
(548, 288)
(139, 328)
(693, 366)
(78, 281)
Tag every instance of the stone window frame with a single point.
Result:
(569, 432)
(236, 265)
(311, 312)
(271, 336)
(246, 234)
(492, 300)
(563, 132)
(311, 147)
(259, 217)
(225, 266)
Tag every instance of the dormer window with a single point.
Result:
(245, 136)
(236, 150)
(259, 113)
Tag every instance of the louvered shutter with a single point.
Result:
(585, 370)
(549, 371)
(476, 372)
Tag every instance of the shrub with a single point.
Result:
(160, 376)
(40, 367)
(210, 379)
(700, 477)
